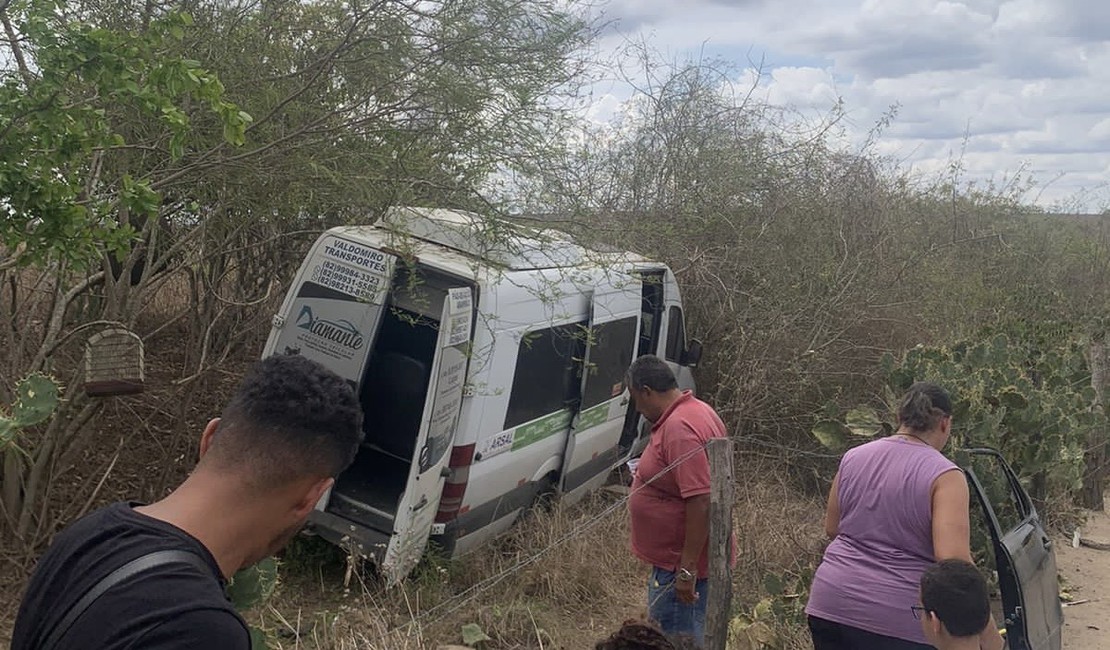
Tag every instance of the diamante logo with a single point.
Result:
(341, 331)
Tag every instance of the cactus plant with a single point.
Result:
(36, 399)
(1031, 400)
(251, 587)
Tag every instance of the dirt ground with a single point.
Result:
(1086, 575)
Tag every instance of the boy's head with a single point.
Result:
(954, 602)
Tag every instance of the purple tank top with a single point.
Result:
(870, 575)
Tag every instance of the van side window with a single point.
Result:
(676, 334)
(546, 378)
(610, 356)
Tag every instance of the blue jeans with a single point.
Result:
(673, 616)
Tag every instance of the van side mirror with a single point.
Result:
(692, 355)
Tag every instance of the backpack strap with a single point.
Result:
(132, 568)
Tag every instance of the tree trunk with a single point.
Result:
(1096, 457)
(11, 488)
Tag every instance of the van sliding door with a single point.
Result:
(593, 447)
(420, 500)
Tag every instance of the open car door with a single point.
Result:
(417, 509)
(593, 446)
(1024, 556)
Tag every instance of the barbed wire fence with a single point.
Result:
(748, 445)
(473, 592)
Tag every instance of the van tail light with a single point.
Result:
(455, 486)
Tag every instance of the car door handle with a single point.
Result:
(1047, 543)
(423, 502)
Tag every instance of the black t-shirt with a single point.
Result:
(172, 607)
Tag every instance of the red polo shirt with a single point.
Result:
(657, 507)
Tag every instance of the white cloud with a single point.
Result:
(1022, 81)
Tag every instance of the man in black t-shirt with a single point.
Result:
(290, 428)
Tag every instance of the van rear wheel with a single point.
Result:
(547, 495)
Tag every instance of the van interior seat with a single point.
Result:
(393, 403)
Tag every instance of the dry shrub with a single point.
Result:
(560, 578)
(780, 537)
(569, 579)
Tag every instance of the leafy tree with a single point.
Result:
(63, 211)
(58, 134)
(199, 144)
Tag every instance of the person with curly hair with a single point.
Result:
(152, 576)
(642, 635)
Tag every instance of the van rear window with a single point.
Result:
(546, 379)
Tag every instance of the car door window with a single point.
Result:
(610, 356)
(1008, 506)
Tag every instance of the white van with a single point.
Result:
(489, 361)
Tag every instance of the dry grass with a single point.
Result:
(567, 598)
(576, 592)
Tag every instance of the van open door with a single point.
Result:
(416, 511)
(335, 309)
(593, 447)
(334, 313)
(1024, 556)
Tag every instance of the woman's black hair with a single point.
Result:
(923, 406)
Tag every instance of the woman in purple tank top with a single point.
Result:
(897, 505)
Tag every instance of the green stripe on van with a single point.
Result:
(544, 427)
(593, 416)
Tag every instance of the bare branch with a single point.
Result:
(57, 318)
(13, 41)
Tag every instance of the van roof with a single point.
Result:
(465, 241)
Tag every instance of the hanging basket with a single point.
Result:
(113, 363)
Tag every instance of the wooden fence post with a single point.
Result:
(719, 608)
(1096, 456)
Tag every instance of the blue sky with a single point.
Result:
(1027, 81)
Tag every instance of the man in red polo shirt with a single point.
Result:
(669, 505)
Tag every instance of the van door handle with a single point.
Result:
(423, 502)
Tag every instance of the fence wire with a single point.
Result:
(473, 592)
(467, 596)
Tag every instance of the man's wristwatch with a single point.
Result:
(685, 575)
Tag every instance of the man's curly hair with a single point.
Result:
(290, 417)
(641, 635)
